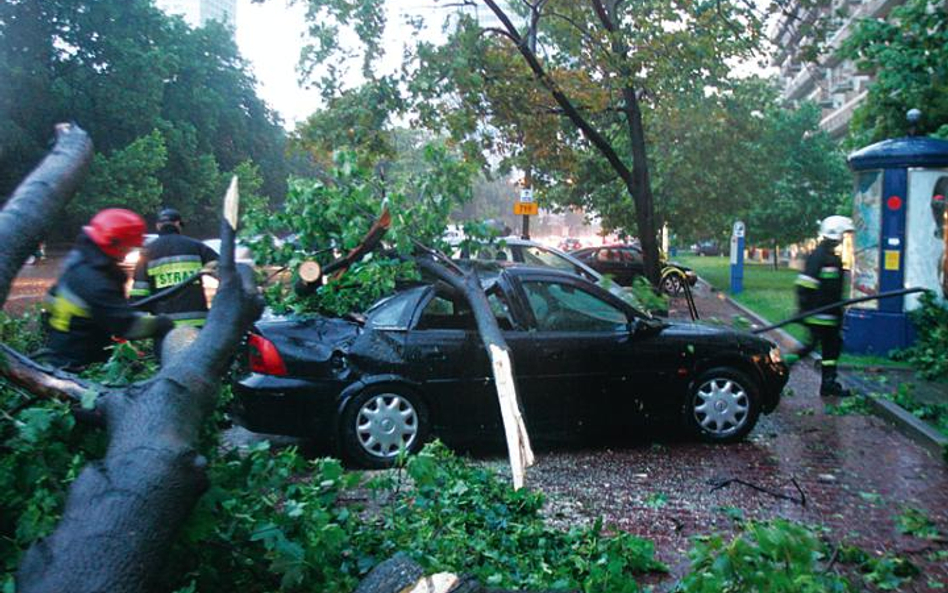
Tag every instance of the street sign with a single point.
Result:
(738, 229)
(526, 209)
(526, 195)
(737, 257)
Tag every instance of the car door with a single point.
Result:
(448, 360)
(608, 261)
(581, 341)
(633, 265)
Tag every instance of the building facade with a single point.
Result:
(198, 13)
(834, 84)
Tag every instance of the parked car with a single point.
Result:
(242, 253)
(570, 244)
(626, 262)
(707, 248)
(531, 253)
(588, 366)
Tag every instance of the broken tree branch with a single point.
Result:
(30, 212)
(123, 513)
(717, 485)
(45, 382)
(515, 429)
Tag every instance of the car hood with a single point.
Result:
(307, 344)
(706, 333)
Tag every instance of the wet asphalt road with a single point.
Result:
(31, 284)
(857, 473)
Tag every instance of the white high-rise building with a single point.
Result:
(835, 84)
(198, 13)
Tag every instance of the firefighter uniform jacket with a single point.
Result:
(821, 284)
(86, 307)
(166, 262)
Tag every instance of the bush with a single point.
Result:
(929, 355)
(276, 521)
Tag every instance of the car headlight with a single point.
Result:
(775, 355)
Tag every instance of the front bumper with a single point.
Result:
(774, 377)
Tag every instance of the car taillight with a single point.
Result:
(264, 357)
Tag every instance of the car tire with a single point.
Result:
(381, 421)
(723, 405)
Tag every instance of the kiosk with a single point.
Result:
(900, 237)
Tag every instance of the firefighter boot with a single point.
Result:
(830, 386)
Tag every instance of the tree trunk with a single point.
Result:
(636, 180)
(123, 512)
(776, 259)
(641, 189)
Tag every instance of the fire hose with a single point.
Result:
(838, 304)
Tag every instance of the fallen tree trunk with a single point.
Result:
(27, 216)
(123, 512)
(519, 449)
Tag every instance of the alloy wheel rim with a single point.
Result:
(721, 406)
(386, 424)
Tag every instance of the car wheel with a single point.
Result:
(380, 422)
(723, 405)
(672, 284)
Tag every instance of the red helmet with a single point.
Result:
(116, 230)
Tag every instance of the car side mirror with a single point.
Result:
(640, 328)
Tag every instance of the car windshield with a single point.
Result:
(536, 256)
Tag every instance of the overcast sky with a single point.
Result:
(270, 35)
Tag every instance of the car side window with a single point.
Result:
(393, 312)
(445, 313)
(564, 307)
(498, 305)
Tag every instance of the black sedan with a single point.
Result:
(625, 262)
(588, 366)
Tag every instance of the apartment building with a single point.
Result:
(834, 84)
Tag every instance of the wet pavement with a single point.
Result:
(855, 472)
(30, 285)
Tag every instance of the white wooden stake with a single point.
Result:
(515, 430)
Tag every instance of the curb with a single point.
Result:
(904, 421)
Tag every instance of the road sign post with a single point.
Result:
(737, 257)
(526, 207)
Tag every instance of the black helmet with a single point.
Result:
(169, 215)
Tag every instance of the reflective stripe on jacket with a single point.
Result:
(168, 261)
(821, 284)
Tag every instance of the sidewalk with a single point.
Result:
(916, 407)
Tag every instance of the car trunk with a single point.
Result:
(307, 345)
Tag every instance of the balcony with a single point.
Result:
(837, 123)
(799, 85)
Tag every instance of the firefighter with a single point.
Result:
(821, 284)
(169, 260)
(87, 306)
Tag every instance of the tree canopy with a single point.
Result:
(599, 69)
(169, 108)
(908, 55)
